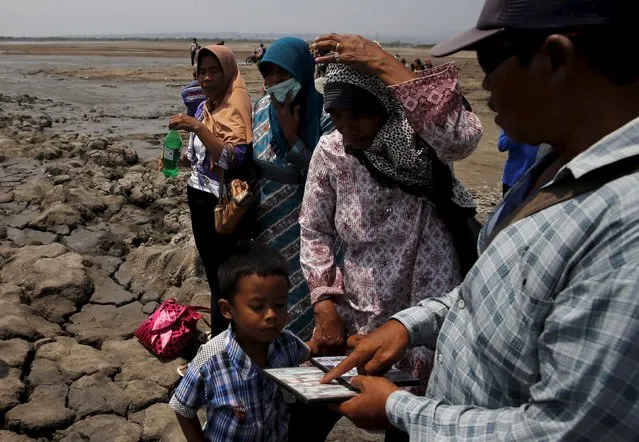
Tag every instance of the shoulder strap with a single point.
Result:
(566, 190)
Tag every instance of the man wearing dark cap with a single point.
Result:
(541, 340)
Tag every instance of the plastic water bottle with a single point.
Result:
(171, 154)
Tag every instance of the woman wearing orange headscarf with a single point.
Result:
(221, 137)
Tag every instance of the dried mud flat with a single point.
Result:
(92, 239)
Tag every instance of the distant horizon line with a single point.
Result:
(230, 35)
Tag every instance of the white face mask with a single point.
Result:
(281, 91)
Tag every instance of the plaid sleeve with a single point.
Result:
(424, 321)
(588, 377)
(190, 394)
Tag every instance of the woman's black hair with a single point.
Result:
(343, 95)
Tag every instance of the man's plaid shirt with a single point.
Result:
(541, 340)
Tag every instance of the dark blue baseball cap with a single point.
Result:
(499, 15)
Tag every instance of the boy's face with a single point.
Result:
(259, 307)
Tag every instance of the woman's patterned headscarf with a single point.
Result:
(398, 152)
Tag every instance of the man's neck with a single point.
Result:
(605, 112)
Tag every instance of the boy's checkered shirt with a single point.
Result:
(241, 403)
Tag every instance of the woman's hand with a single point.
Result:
(184, 122)
(363, 55)
(289, 120)
(329, 333)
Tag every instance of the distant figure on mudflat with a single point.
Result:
(192, 95)
(195, 46)
(260, 51)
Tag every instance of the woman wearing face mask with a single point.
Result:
(221, 136)
(374, 185)
(287, 124)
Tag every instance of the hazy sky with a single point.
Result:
(430, 19)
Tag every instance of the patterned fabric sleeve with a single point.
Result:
(317, 223)
(434, 107)
(587, 377)
(190, 394)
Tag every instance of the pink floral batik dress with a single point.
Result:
(397, 251)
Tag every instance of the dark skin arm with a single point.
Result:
(329, 332)
(213, 144)
(191, 428)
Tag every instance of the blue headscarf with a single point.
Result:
(294, 55)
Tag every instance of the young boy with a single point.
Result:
(226, 376)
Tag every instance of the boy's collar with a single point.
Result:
(246, 368)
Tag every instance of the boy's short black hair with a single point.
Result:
(251, 258)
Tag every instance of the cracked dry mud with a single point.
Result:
(92, 239)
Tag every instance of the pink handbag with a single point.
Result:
(170, 328)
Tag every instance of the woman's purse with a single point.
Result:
(235, 201)
(170, 328)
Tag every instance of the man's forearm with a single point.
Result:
(424, 321)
